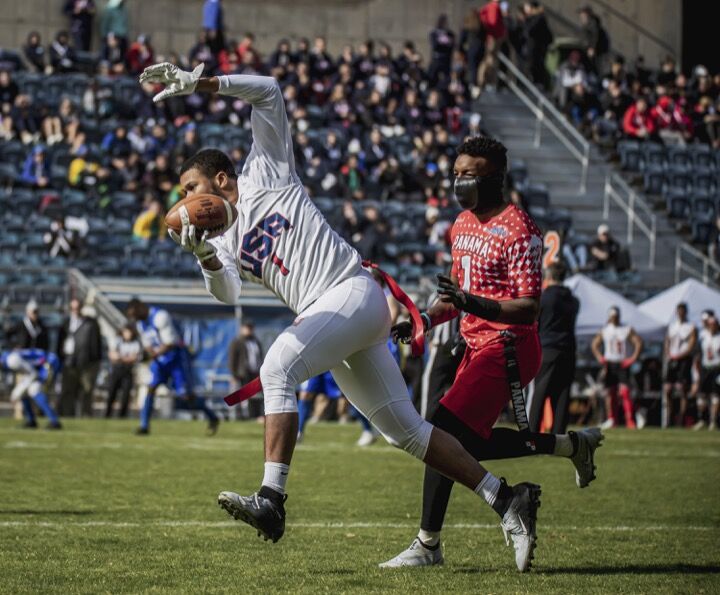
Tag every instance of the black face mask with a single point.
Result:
(479, 190)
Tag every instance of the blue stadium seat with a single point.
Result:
(701, 231)
(702, 156)
(680, 158)
(653, 154)
(677, 178)
(677, 205)
(518, 174)
(410, 273)
(704, 180)
(537, 195)
(702, 207)
(631, 157)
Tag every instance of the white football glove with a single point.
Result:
(177, 82)
(189, 242)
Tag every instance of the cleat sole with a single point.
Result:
(240, 515)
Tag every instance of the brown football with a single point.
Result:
(207, 212)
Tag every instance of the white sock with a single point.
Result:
(563, 445)
(276, 475)
(430, 538)
(488, 488)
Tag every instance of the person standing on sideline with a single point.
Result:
(81, 345)
(680, 342)
(556, 326)
(245, 356)
(31, 333)
(126, 352)
(615, 363)
(708, 366)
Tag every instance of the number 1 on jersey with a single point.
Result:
(465, 263)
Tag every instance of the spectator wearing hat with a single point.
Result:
(62, 54)
(31, 332)
(604, 250)
(671, 122)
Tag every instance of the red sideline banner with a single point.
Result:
(417, 344)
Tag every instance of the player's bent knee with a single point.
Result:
(279, 384)
(403, 427)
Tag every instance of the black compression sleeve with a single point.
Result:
(482, 307)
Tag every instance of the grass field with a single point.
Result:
(96, 509)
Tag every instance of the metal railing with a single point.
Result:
(639, 214)
(695, 264)
(547, 115)
(82, 288)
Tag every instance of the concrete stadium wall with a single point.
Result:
(174, 23)
(662, 18)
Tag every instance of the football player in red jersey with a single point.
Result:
(495, 284)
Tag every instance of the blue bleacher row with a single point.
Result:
(18, 285)
(687, 179)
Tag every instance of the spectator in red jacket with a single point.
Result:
(492, 20)
(671, 121)
(140, 55)
(493, 25)
(637, 122)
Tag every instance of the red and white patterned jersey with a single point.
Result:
(499, 259)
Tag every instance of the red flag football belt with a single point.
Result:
(417, 343)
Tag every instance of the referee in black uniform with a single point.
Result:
(556, 325)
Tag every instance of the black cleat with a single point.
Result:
(258, 512)
(142, 432)
(213, 426)
(29, 425)
(54, 426)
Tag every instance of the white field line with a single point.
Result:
(256, 445)
(343, 526)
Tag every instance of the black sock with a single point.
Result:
(432, 548)
(504, 497)
(273, 495)
(575, 442)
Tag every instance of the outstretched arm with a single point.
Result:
(272, 154)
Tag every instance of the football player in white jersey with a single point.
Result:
(708, 367)
(615, 361)
(282, 241)
(680, 342)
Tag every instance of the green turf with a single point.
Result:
(96, 509)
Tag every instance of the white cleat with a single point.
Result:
(584, 459)
(300, 438)
(416, 555)
(607, 424)
(366, 439)
(519, 523)
(699, 425)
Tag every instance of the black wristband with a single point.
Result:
(482, 307)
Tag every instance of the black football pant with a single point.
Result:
(503, 443)
(554, 379)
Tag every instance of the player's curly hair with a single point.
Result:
(209, 162)
(487, 147)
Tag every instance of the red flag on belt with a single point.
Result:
(417, 343)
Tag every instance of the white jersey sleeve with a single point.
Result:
(224, 284)
(165, 329)
(271, 157)
(17, 363)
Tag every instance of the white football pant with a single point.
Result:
(346, 331)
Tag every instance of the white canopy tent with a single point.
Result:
(695, 294)
(596, 299)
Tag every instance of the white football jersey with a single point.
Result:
(679, 334)
(280, 239)
(710, 346)
(615, 342)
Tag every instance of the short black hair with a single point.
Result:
(556, 272)
(210, 162)
(682, 305)
(485, 146)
